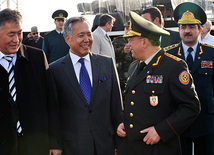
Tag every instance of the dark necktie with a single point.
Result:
(107, 37)
(140, 67)
(190, 58)
(84, 79)
(12, 88)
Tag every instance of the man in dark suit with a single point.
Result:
(154, 15)
(200, 58)
(89, 107)
(160, 100)
(24, 92)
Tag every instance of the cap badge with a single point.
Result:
(188, 17)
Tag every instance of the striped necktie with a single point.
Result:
(12, 88)
(85, 82)
(10, 70)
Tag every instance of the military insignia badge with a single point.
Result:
(184, 77)
(206, 64)
(154, 79)
(154, 100)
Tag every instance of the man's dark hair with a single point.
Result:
(68, 26)
(154, 12)
(105, 18)
(8, 15)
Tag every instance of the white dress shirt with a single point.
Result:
(77, 65)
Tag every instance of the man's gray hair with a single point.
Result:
(68, 26)
(8, 15)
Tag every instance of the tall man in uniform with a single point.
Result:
(54, 44)
(200, 58)
(160, 100)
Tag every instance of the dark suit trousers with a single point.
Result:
(202, 145)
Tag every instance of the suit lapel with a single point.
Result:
(68, 68)
(95, 74)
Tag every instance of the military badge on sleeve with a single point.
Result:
(184, 77)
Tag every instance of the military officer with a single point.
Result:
(160, 100)
(54, 44)
(200, 58)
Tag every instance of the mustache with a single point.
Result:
(188, 34)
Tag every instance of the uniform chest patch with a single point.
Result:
(206, 64)
(184, 77)
(154, 79)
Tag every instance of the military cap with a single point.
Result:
(34, 29)
(60, 15)
(144, 28)
(189, 13)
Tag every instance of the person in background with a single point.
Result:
(123, 56)
(154, 15)
(159, 97)
(25, 93)
(88, 95)
(34, 38)
(200, 58)
(205, 36)
(102, 42)
(54, 44)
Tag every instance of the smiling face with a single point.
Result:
(11, 37)
(81, 41)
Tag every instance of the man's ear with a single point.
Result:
(68, 39)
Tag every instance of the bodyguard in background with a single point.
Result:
(54, 44)
(34, 38)
(154, 15)
(102, 42)
(24, 92)
(200, 58)
(88, 94)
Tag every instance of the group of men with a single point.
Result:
(74, 105)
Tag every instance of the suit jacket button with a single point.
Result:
(132, 103)
(131, 126)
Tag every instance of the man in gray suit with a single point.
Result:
(102, 42)
(88, 118)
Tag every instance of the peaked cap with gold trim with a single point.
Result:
(144, 28)
(189, 13)
(60, 15)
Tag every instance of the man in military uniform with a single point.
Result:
(200, 58)
(160, 100)
(54, 44)
(123, 59)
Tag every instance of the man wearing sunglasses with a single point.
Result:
(34, 38)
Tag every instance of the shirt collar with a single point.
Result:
(59, 31)
(75, 58)
(151, 57)
(185, 47)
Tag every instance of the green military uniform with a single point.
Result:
(123, 60)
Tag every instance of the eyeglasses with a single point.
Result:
(34, 33)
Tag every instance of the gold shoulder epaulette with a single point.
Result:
(173, 57)
(170, 47)
(208, 45)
